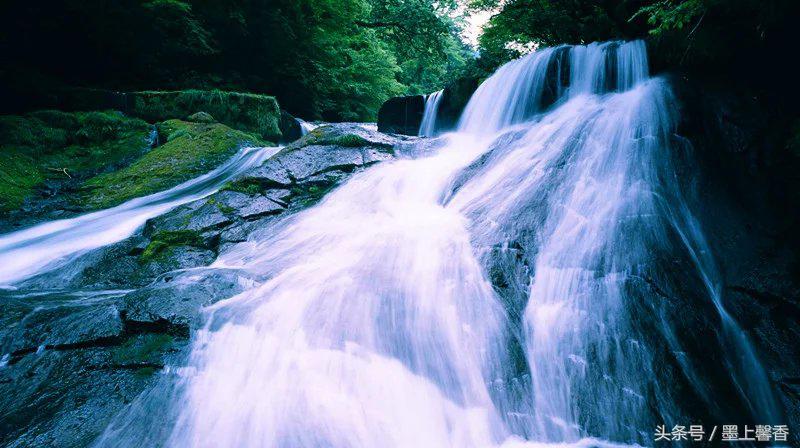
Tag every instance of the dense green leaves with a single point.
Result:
(331, 59)
(709, 38)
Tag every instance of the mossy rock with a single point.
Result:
(55, 145)
(164, 240)
(323, 136)
(144, 349)
(249, 112)
(189, 150)
(201, 117)
(245, 185)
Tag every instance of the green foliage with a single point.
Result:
(330, 59)
(59, 145)
(248, 112)
(190, 149)
(706, 38)
(521, 25)
(424, 37)
(667, 15)
(162, 241)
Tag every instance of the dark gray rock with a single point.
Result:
(176, 300)
(315, 159)
(247, 206)
(454, 100)
(290, 127)
(42, 321)
(199, 216)
(401, 115)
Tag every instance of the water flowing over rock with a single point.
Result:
(543, 275)
(428, 127)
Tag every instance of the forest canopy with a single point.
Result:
(328, 59)
(339, 60)
(744, 41)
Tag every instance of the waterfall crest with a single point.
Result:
(305, 127)
(428, 126)
(538, 280)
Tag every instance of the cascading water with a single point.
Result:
(428, 126)
(305, 127)
(539, 279)
(46, 246)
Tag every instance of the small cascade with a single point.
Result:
(428, 126)
(47, 246)
(305, 127)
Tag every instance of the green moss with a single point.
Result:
(19, 175)
(225, 209)
(162, 241)
(59, 145)
(142, 349)
(246, 185)
(310, 194)
(321, 136)
(190, 149)
(258, 114)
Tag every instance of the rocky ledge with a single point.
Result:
(72, 360)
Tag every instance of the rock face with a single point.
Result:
(401, 115)
(72, 361)
(290, 127)
(247, 112)
(454, 99)
(750, 207)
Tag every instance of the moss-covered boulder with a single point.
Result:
(51, 147)
(201, 117)
(249, 112)
(188, 150)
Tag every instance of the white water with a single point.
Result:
(46, 246)
(375, 324)
(428, 126)
(305, 127)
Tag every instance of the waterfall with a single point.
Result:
(540, 279)
(428, 126)
(305, 127)
(47, 246)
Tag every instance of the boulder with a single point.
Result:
(454, 99)
(401, 115)
(290, 127)
(201, 117)
(248, 112)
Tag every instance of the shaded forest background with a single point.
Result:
(323, 59)
(340, 59)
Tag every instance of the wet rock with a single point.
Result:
(66, 398)
(290, 127)
(455, 97)
(42, 321)
(175, 301)
(199, 216)
(75, 363)
(247, 206)
(401, 115)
